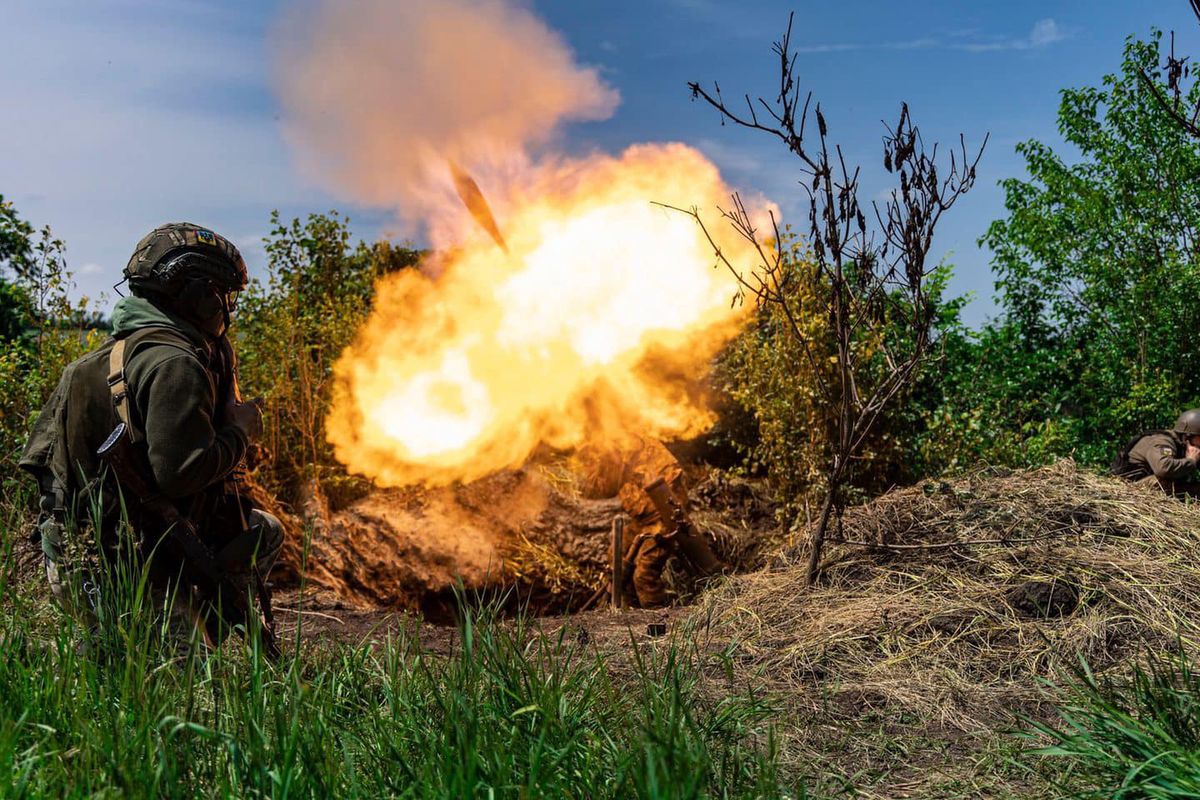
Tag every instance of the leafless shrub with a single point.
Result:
(874, 261)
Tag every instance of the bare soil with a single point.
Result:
(608, 629)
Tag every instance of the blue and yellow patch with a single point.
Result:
(206, 237)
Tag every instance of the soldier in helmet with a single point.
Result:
(1168, 457)
(168, 374)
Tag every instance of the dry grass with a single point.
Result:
(921, 630)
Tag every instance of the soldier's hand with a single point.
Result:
(1192, 454)
(247, 416)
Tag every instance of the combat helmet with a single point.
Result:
(1189, 422)
(170, 255)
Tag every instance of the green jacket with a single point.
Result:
(1160, 454)
(177, 381)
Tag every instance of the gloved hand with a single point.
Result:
(247, 416)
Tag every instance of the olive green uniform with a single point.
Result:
(1160, 455)
(176, 377)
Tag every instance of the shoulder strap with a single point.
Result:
(118, 385)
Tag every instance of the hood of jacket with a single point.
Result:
(132, 313)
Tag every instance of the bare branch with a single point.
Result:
(878, 309)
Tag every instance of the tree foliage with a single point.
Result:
(1096, 261)
(766, 373)
(1097, 274)
(16, 240)
(42, 329)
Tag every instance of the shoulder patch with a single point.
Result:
(206, 237)
(1168, 451)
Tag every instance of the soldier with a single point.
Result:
(653, 493)
(168, 374)
(1168, 457)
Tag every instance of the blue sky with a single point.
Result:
(118, 115)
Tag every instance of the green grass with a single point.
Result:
(512, 712)
(1131, 735)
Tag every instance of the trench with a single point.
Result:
(536, 540)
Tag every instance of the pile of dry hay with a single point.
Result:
(959, 597)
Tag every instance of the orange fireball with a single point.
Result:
(466, 373)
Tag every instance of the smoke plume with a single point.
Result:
(579, 312)
(380, 96)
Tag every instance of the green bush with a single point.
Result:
(770, 375)
(41, 331)
(290, 330)
(1098, 264)
(766, 372)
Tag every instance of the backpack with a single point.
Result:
(61, 451)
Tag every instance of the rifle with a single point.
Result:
(235, 394)
(126, 463)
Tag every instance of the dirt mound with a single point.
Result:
(544, 529)
(956, 598)
(409, 548)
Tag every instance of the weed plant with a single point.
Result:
(511, 712)
(290, 329)
(1134, 735)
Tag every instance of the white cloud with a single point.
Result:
(832, 47)
(1044, 33)
(924, 43)
(129, 114)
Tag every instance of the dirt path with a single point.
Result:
(609, 630)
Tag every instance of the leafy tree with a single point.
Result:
(16, 251)
(983, 403)
(1097, 266)
(16, 240)
(15, 304)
